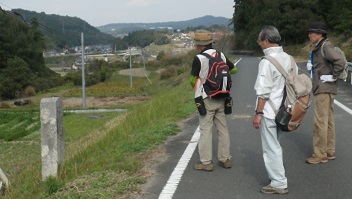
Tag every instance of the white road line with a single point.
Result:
(345, 108)
(237, 61)
(176, 175)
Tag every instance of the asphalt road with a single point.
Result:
(332, 180)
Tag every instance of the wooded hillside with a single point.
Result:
(63, 31)
(291, 17)
(21, 58)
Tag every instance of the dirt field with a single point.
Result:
(135, 72)
(104, 102)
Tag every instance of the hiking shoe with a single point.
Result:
(272, 190)
(226, 164)
(331, 155)
(204, 167)
(316, 160)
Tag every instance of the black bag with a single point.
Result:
(228, 105)
(200, 105)
(283, 118)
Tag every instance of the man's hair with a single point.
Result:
(271, 34)
(209, 45)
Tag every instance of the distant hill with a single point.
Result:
(124, 28)
(63, 31)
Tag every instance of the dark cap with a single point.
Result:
(317, 27)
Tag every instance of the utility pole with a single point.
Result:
(143, 58)
(83, 76)
(129, 49)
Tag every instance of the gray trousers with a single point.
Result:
(215, 115)
(272, 153)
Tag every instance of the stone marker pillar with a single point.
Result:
(3, 179)
(52, 136)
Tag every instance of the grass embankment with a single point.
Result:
(103, 152)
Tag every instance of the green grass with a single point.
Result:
(103, 151)
(16, 125)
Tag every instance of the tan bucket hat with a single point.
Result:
(203, 37)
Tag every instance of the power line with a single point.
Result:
(4, 5)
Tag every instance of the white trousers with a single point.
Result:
(272, 153)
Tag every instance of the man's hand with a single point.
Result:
(256, 120)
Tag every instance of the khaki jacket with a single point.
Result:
(331, 64)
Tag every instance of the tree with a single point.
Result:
(339, 17)
(15, 78)
(145, 37)
(21, 57)
(291, 17)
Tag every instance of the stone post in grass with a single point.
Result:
(52, 136)
(3, 180)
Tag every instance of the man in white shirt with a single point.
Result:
(270, 85)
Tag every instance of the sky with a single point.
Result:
(102, 12)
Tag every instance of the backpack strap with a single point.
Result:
(206, 55)
(322, 49)
(282, 71)
(217, 54)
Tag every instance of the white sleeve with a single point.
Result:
(264, 83)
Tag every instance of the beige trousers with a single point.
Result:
(215, 115)
(324, 125)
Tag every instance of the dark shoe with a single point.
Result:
(226, 164)
(204, 167)
(331, 155)
(316, 160)
(272, 190)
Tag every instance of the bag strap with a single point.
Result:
(322, 49)
(206, 55)
(278, 66)
(217, 54)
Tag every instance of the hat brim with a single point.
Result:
(320, 31)
(203, 43)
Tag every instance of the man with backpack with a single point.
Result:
(211, 102)
(328, 64)
(269, 85)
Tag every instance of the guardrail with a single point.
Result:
(350, 70)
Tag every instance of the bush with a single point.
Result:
(92, 79)
(4, 105)
(75, 78)
(168, 72)
(29, 91)
(155, 64)
(119, 65)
